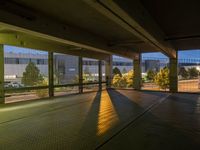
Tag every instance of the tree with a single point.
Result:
(126, 80)
(117, 71)
(193, 72)
(183, 73)
(150, 75)
(129, 79)
(32, 75)
(162, 78)
(119, 81)
(124, 70)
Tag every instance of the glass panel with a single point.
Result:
(65, 69)
(122, 72)
(155, 71)
(61, 91)
(103, 71)
(90, 70)
(17, 96)
(22, 68)
(188, 71)
(90, 88)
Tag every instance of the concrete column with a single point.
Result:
(51, 72)
(2, 99)
(173, 75)
(100, 75)
(137, 79)
(80, 66)
(108, 69)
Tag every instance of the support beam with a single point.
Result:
(173, 75)
(39, 26)
(133, 17)
(22, 40)
(137, 73)
(80, 66)
(51, 79)
(2, 100)
(100, 75)
(108, 69)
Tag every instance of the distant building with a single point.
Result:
(65, 66)
(153, 65)
(15, 64)
(122, 63)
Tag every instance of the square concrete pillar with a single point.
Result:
(109, 69)
(137, 79)
(2, 98)
(173, 75)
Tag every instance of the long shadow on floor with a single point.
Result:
(152, 131)
(111, 110)
(108, 113)
(124, 107)
(87, 134)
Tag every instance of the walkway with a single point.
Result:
(113, 119)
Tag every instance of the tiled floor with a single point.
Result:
(113, 119)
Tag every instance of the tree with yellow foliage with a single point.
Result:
(162, 78)
(126, 80)
(129, 78)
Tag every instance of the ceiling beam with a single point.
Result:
(183, 38)
(126, 42)
(135, 19)
(26, 41)
(36, 25)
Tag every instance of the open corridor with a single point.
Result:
(111, 119)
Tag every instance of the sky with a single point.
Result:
(189, 54)
(22, 50)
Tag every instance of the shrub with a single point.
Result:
(193, 72)
(126, 80)
(162, 78)
(42, 92)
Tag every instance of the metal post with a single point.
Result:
(137, 72)
(100, 75)
(173, 75)
(80, 74)
(51, 78)
(2, 98)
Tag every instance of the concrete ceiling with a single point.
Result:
(178, 19)
(78, 14)
(9, 37)
(126, 26)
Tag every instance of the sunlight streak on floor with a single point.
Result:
(107, 116)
